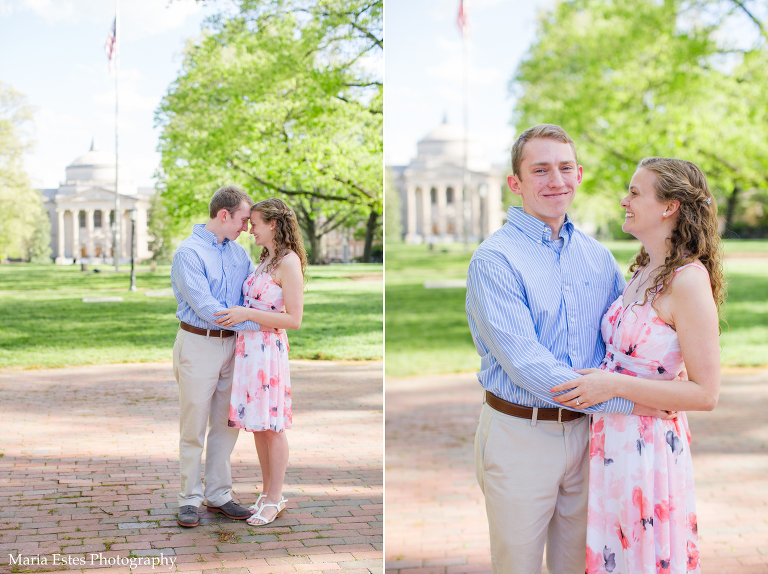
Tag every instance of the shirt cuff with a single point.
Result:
(619, 405)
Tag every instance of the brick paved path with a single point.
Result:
(435, 514)
(90, 465)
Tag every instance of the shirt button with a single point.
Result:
(573, 319)
(567, 288)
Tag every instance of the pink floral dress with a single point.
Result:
(261, 384)
(642, 511)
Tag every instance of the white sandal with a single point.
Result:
(280, 506)
(256, 506)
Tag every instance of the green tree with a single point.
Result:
(161, 230)
(24, 225)
(36, 246)
(283, 98)
(624, 93)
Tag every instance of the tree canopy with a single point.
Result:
(630, 79)
(24, 224)
(282, 98)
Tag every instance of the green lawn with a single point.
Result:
(46, 324)
(427, 333)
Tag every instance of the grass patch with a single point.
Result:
(427, 332)
(45, 323)
(426, 329)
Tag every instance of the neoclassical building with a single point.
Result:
(435, 206)
(82, 211)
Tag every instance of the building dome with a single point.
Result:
(94, 165)
(445, 144)
(446, 140)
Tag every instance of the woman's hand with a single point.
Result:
(643, 411)
(231, 316)
(596, 386)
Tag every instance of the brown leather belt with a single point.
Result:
(218, 333)
(521, 412)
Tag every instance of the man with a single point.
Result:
(537, 290)
(207, 275)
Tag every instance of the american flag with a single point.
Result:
(110, 48)
(462, 20)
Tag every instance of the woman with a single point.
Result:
(261, 385)
(642, 512)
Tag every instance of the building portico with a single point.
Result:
(438, 206)
(82, 211)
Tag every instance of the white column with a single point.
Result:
(426, 212)
(60, 236)
(410, 197)
(142, 251)
(458, 222)
(75, 233)
(477, 225)
(441, 203)
(89, 226)
(493, 210)
(125, 240)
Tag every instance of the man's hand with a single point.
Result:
(643, 411)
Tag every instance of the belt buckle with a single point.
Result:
(560, 415)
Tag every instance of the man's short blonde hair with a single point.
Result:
(546, 131)
(230, 198)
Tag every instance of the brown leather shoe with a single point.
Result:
(231, 510)
(188, 516)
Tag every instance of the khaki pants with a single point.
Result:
(535, 481)
(203, 369)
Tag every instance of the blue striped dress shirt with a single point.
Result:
(208, 276)
(534, 309)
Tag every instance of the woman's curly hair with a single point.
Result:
(695, 235)
(287, 232)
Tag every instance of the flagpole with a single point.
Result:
(117, 161)
(465, 95)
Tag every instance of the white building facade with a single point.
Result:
(82, 212)
(437, 205)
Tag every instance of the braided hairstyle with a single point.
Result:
(287, 233)
(695, 235)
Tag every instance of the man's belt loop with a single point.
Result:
(535, 416)
(559, 415)
(207, 334)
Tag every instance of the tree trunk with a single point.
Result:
(730, 211)
(310, 228)
(370, 229)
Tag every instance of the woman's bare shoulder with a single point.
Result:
(691, 277)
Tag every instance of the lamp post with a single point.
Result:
(133, 249)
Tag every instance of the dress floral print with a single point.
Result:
(642, 511)
(261, 384)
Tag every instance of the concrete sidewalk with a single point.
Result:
(435, 512)
(89, 473)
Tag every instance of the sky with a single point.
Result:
(423, 71)
(52, 51)
(423, 68)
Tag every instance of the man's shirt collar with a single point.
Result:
(207, 236)
(535, 228)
